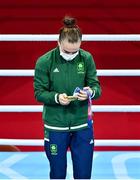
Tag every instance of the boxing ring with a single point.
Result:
(106, 164)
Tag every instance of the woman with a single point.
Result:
(65, 82)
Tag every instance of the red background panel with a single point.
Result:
(107, 55)
(94, 17)
(115, 90)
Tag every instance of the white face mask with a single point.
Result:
(68, 57)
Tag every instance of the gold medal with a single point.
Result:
(72, 98)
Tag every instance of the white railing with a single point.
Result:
(98, 142)
(103, 72)
(95, 108)
(54, 37)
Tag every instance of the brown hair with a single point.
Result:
(70, 30)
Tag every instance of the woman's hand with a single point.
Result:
(63, 100)
(82, 95)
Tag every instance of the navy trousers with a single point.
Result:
(81, 144)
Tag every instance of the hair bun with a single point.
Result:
(69, 22)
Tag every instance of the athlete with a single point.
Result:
(66, 82)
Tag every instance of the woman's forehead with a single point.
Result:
(70, 46)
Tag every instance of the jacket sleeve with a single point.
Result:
(91, 78)
(42, 84)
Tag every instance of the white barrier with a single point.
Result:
(115, 108)
(98, 142)
(54, 37)
(118, 72)
(16, 72)
(95, 108)
(103, 72)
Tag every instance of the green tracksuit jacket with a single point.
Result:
(55, 75)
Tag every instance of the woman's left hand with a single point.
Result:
(83, 94)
